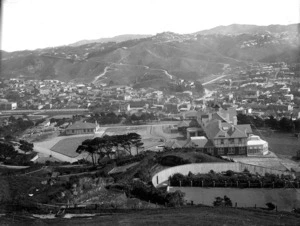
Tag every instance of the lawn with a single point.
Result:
(281, 143)
(68, 146)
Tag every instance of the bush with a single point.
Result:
(270, 206)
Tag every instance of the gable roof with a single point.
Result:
(217, 129)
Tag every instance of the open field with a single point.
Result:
(68, 146)
(198, 215)
(280, 143)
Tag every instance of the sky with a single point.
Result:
(32, 24)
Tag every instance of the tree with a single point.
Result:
(222, 201)
(7, 151)
(286, 124)
(87, 147)
(26, 146)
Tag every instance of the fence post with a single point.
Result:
(180, 183)
(273, 184)
(202, 183)
(236, 205)
(225, 183)
(237, 183)
(191, 183)
(261, 184)
(214, 183)
(248, 183)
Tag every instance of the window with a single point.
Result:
(220, 151)
(210, 151)
(231, 141)
(222, 141)
(231, 150)
(73, 131)
(84, 130)
(242, 150)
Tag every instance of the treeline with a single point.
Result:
(106, 118)
(233, 179)
(144, 117)
(284, 124)
(110, 146)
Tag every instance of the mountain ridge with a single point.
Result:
(156, 60)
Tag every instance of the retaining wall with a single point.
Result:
(196, 168)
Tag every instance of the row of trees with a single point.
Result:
(109, 146)
(233, 179)
(284, 124)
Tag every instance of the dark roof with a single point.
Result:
(218, 129)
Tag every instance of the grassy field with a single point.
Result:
(173, 216)
(68, 146)
(280, 143)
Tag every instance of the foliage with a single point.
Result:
(15, 126)
(26, 146)
(270, 206)
(159, 196)
(233, 179)
(172, 160)
(7, 152)
(107, 146)
(222, 201)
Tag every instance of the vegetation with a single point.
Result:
(233, 179)
(158, 196)
(15, 127)
(107, 146)
(283, 125)
(222, 201)
(10, 156)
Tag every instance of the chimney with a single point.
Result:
(234, 120)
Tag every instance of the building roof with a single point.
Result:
(218, 129)
(184, 123)
(198, 142)
(255, 140)
(82, 125)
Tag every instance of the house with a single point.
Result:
(5, 105)
(227, 139)
(82, 128)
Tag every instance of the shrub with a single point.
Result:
(270, 206)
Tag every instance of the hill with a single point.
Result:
(119, 38)
(159, 60)
(235, 29)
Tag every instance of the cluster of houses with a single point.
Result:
(268, 89)
(216, 132)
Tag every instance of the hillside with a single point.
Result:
(157, 60)
(119, 38)
(235, 29)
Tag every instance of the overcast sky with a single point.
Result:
(32, 24)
